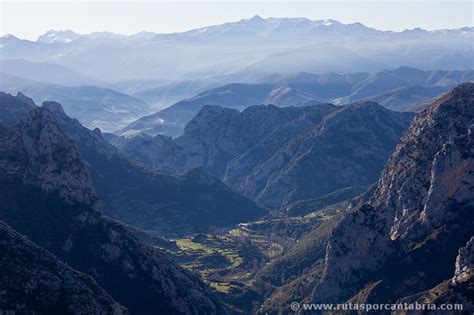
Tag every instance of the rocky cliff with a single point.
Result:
(163, 203)
(405, 239)
(53, 209)
(37, 153)
(171, 204)
(277, 156)
(425, 188)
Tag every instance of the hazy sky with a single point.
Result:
(29, 19)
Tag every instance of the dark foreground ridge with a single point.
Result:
(46, 194)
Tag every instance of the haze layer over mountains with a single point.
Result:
(258, 46)
(236, 169)
(103, 77)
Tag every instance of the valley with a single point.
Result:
(237, 168)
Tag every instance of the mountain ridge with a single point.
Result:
(255, 19)
(94, 106)
(397, 89)
(382, 250)
(247, 44)
(265, 151)
(164, 203)
(139, 276)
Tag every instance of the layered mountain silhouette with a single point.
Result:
(92, 105)
(403, 88)
(255, 45)
(236, 169)
(47, 194)
(277, 156)
(45, 72)
(408, 239)
(12, 109)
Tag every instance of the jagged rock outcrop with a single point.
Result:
(53, 163)
(137, 276)
(426, 184)
(34, 281)
(465, 263)
(13, 108)
(277, 156)
(405, 239)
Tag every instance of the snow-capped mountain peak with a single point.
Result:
(53, 36)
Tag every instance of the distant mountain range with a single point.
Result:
(277, 156)
(401, 89)
(404, 89)
(256, 45)
(45, 72)
(93, 106)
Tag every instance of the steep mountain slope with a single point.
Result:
(277, 156)
(421, 208)
(61, 198)
(13, 108)
(93, 106)
(397, 89)
(192, 201)
(32, 280)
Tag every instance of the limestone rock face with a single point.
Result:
(430, 165)
(37, 152)
(465, 263)
(421, 209)
(427, 183)
(170, 204)
(46, 194)
(277, 156)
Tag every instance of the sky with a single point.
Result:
(29, 19)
